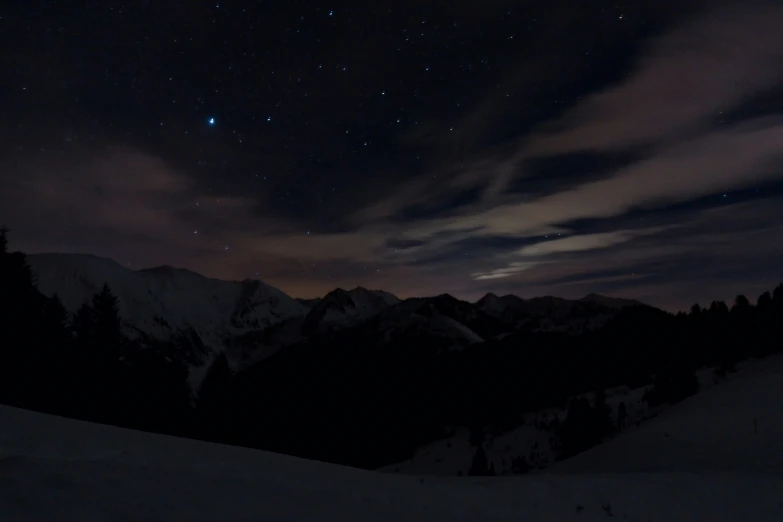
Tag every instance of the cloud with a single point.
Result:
(566, 245)
(712, 254)
(682, 83)
(499, 273)
(356, 247)
(119, 187)
(687, 77)
(718, 161)
(593, 281)
(578, 243)
(119, 202)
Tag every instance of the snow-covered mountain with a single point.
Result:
(340, 308)
(507, 308)
(466, 319)
(421, 318)
(677, 468)
(163, 302)
(246, 349)
(549, 313)
(250, 320)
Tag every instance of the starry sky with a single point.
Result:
(632, 148)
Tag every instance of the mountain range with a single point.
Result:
(248, 320)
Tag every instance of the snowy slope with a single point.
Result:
(533, 440)
(55, 469)
(434, 325)
(443, 318)
(245, 350)
(162, 301)
(735, 425)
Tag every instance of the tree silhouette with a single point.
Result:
(476, 435)
(777, 295)
(55, 351)
(602, 416)
(764, 301)
(211, 409)
(3, 240)
(479, 466)
(622, 415)
(578, 428)
(24, 342)
(107, 324)
(718, 308)
(741, 304)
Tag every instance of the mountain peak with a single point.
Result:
(445, 298)
(488, 298)
(340, 308)
(165, 301)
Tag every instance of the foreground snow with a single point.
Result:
(60, 469)
(739, 425)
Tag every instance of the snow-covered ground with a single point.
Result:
(713, 466)
(736, 425)
(533, 440)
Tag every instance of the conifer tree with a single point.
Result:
(3, 241)
(479, 466)
(107, 323)
(622, 415)
(602, 416)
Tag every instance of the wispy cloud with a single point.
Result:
(499, 273)
(686, 78)
(579, 243)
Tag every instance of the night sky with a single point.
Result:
(633, 148)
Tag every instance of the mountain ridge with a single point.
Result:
(163, 301)
(237, 317)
